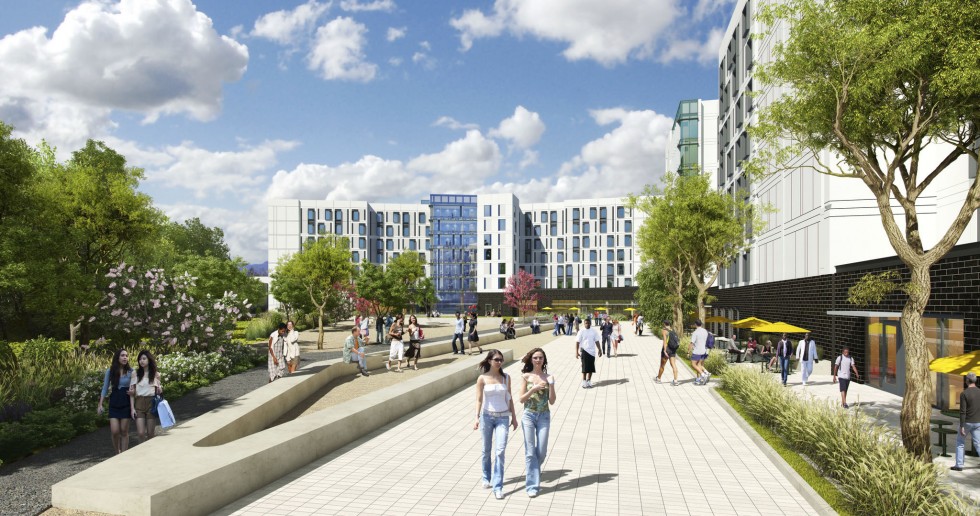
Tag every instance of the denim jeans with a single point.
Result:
(495, 430)
(536, 426)
(606, 344)
(784, 368)
(360, 358)
(460, 337)
(973, 430)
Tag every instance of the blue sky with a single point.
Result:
(226, 104)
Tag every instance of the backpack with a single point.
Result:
(710, 344)
(673, 342)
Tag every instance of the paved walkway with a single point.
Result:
(626, 446)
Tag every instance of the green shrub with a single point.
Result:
(16, 441)
(259, 328)
(684, 350)
(41, 349)
(717, 362)
(875, 473)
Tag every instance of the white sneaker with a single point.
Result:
(486, 485)
(498, 495)
(585, 385)
(532, 494)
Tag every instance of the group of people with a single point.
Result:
(131, 393)
(283, 351)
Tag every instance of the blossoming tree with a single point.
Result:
(520, 293)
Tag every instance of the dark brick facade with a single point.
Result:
(548, 296)
(805, 302)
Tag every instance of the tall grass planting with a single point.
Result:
(259, 328)
(874, 472)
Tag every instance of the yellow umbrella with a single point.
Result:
(546, 308)
(718, 319)
(779, 327)
(959, 364)
(631, 309)
(574, 308)
(604, 309)
(749, 322)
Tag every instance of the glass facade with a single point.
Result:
(687, 119)
(452, 221)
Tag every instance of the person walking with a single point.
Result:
(537, 394)
(458, 332)
(414, 342)
(494, 414)
(617, 336)
(396, 350)
(606, 329)
(292, 347)
(473, 336)
(784, 350)
(144, 385)
(587, 348)
(843, 367)
(354, 351)
(639, 325)
(366, 330)
(806, 353)
(969, 419)
(115, 385)
(699, 353)
(379, 327)
(277, 353)
(668, 352)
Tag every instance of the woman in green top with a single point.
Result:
(353, 352)
(537, 393)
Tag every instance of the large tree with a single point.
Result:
(319, 268)
(875, 83)
(520, 292)
(18, 207)
(658, 240)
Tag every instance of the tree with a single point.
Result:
(318, 268)
(656, 300)
(520, 293)
(17, 206)
(377, 289)
(407, 270)
(425, 294)
(214, 276)
(875, 84)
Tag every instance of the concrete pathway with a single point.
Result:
(626, 446)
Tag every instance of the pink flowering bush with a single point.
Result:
(148, 306)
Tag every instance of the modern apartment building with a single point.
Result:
(823, 233)
(473, 243)
(693, 141)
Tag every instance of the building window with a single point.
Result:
(602, 213)
(309, 228)
(501, 283)
(501, 224)
(628, 226)
(576, 256)
(338, 215)
(560, 243)
(406, 232)
(593, 270)
(355, 256)
(338, 229)
(575, 242)
(310, 240)
(575, 228)
(361, 228)
(620, 255)
(585, 227)
(412, 245)
(321, 229)
(362, 243)
(487, 255)
(502, 268)
(390, 244)
(592, 213)
(593, 256)
(585, 242)
(620, 269)
(628, 282)
(575, 214)
(421, 217)
(603, 226)
(355, 215)
(389, 231)
(620, 212)
(609, 270)
(396, 218)
(487, 210)
(609, 255)
(560, 257)
(628, 241)
(544, 216)
(310, 214)
(585, 282)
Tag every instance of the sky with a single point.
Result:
(228, 103)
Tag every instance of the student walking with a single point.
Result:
(587, 348)
(414, 342)
(843, 367)
(473, 336)
(396, 350)
(277, 353)
(699, 353)
(115, 385)
(144, 385)
(806, 353)
(292, 347)
(354, 351)
(494, 413)
(366, 330)
(617, 337)
(458, 332)
(606, 329)
(969, 419)
(537, 394)
(668, 352)
(784, 350)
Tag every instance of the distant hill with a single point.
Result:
(258, 269)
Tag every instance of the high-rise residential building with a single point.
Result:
(823, 233)
(473, 243)
(693, 141)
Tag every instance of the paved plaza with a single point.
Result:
(626, 446)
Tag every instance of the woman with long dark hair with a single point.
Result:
(396, 351)
(414, 342)
(473, 336)
(144, 384)
(537, 393)
(121, 411)
(494, 411)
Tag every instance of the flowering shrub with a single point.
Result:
(149, 305)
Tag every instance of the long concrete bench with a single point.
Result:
(210, 461)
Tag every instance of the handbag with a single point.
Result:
(166, 415)
(156, 403)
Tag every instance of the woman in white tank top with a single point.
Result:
(494, 413)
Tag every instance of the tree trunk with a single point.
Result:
(917, 403)
(701, 295)
(72, 332)
(679, 302)
(319, 337)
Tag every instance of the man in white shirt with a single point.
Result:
(699, 353)
(843, 367)
(806, 354)
(587, 348)
(458, 334)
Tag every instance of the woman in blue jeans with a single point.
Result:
(537, 393)
(494, 412)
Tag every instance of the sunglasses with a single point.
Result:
(537, 358)
(498, 360)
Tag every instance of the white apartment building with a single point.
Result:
(817, 222)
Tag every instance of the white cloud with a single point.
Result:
(425, 45)
(370, 177)
(606, 31)
(108, 56)
(395, 61)
(287, 27)
(473, 157)
(212, 173)
(375, 5)
(523, 129)
(338, 52)
(452, 123)
(396, 33)
(244, 230)
(705, 52)
(424, 60)
(705, 8)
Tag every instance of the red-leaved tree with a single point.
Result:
(520, 292)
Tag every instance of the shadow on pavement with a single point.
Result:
(575, 483)
(604, 383)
